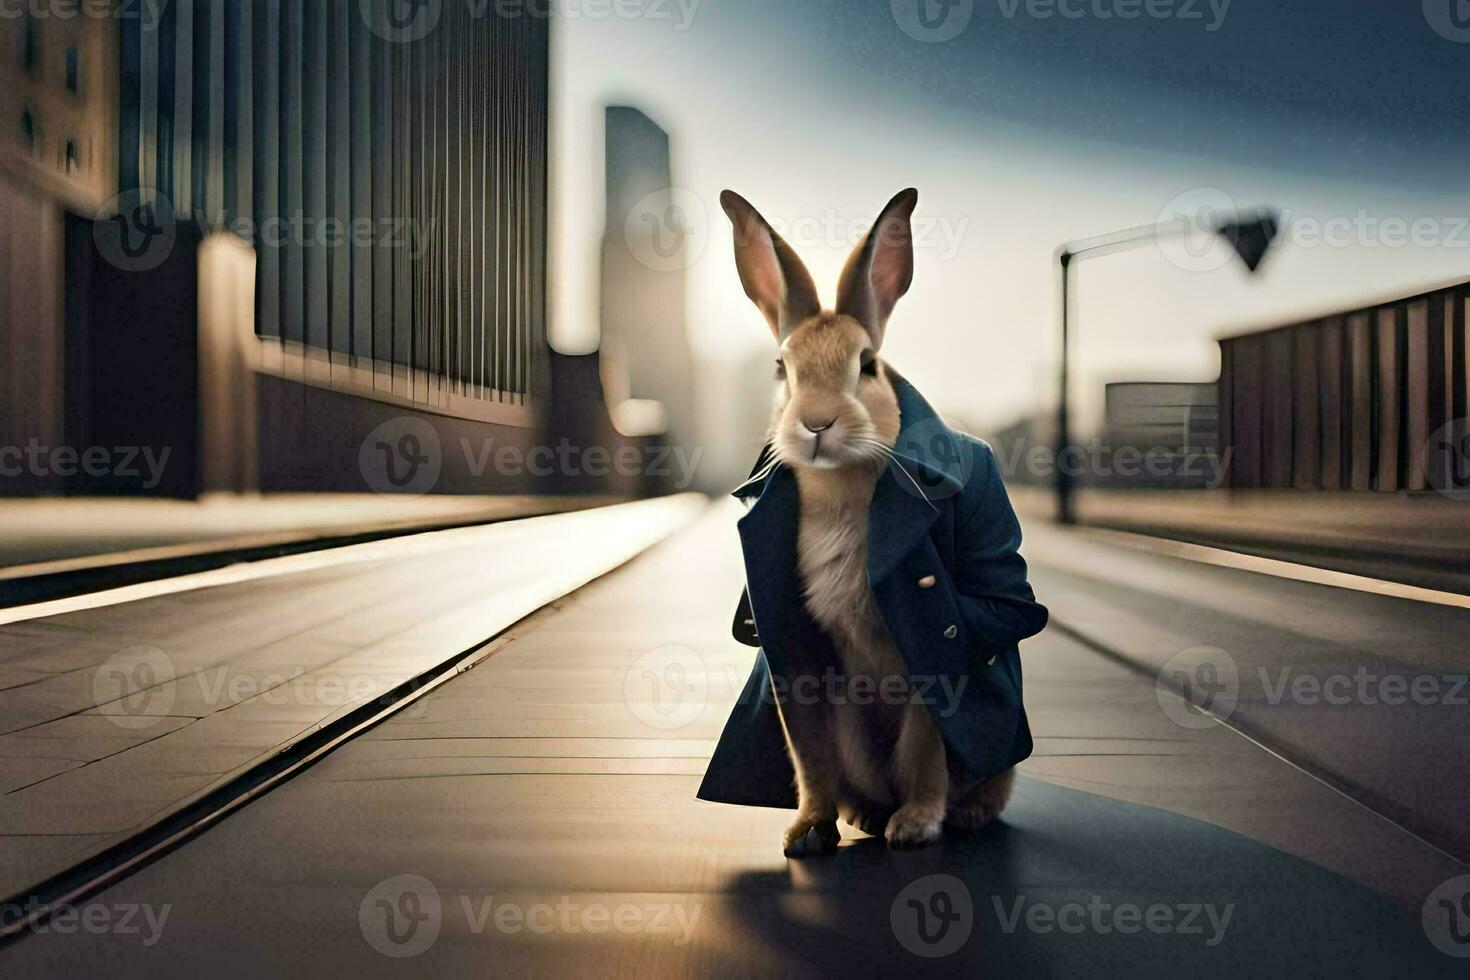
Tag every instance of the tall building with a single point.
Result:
(58, 139)
(646, 360)
(389, 174)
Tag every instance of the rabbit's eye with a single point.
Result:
(870, 365)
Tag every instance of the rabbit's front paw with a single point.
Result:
(810, 838)
(913, 826)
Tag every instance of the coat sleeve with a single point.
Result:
(989, 574)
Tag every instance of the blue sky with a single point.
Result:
(1024, 130)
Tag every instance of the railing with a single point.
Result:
(1367, 399)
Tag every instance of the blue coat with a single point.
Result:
(940, 509)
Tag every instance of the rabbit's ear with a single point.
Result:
(880, 269)
(771, 272)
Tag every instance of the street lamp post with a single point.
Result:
(1250, 234)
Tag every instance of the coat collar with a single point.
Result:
(905, 499)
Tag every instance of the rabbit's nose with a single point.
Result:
(818, 427)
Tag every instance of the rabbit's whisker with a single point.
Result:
(893, 458)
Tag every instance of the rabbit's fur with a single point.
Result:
(880, 765)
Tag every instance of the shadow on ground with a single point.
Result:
(1072, 884)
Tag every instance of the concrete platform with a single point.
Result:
(1365, 690)
(1421, 538)
(536, 816)
(114, 717)
(57, 536)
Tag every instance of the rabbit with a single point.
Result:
(880, 766)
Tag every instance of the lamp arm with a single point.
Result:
(1124, 240)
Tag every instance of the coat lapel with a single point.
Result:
(905, 500)
(768, 541)
(921, 473)
(898, 518)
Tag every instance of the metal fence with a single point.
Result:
(1366, 399)
(393, 185)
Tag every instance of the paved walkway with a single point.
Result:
(114, 717)
(536, 816)
(1368, 691)
(1420, 538)
(53, 535)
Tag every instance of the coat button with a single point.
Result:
(951, 632)
(927, 582)
(991, 661)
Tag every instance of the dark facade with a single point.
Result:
(1354, 400)
(393, 185)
